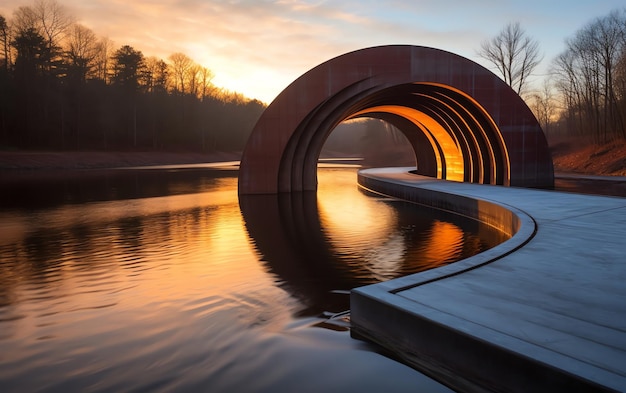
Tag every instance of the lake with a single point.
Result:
(163, 279)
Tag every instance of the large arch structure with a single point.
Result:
(463, 122)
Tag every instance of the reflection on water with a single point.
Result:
(155, 280)
(392, 238)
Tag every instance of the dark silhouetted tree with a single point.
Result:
(32, 55)
(6, 93)
(102, 70)
(61, 87)
(5, 45)
(155, 75)
(81, 52)
(156, 100)
(128, 67)
(50, 20)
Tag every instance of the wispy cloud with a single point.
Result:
(258, 47)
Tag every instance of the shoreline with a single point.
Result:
(570, 155)
(576, 165)
(51, 160)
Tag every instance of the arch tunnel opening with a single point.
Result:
(367, 142)
(452, 136)
(462, 121)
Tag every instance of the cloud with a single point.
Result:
(259, 47)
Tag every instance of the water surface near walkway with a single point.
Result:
(156, 281)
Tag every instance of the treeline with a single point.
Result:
(586, 94)
(63, 87)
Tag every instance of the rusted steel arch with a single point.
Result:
(463, 122)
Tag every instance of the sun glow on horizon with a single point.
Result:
(258, 48)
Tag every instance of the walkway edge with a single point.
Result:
(508, 219)
(466, 359)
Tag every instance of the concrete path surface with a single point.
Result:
(544, 311)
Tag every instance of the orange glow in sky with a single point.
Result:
(259, 47)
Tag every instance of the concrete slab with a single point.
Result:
(544, 311)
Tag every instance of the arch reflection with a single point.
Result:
(340, 238)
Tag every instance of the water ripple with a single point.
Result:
(172, 292)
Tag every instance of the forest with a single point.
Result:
(584, 94)
(589, 77)
(64, 88)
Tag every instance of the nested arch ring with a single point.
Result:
(462, 121)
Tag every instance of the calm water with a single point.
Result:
(160, 280)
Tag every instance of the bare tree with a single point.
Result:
(104, 47)
(156, 75)
(81, 52)
(608, 37)
(192, 77)
(5, 43)
(206, 82)
(180, 64)
(620, 83)
(589, 78)
(568, 83)
(514, 54)
(53, 20)
(24, 18)
(544, 106)
(48, 19)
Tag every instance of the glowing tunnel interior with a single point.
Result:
(452, 136)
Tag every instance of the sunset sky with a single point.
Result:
(258, 47)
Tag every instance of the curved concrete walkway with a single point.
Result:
(544, 311)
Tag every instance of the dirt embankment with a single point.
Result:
(572, 155)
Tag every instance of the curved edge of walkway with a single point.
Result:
(478, 344)
(400, 183)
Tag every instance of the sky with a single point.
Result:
(258, 47)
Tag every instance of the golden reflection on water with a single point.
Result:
(112, 263)
(352, 220)
(168, 288)
(378, 235)
(445, 243)
(350, 217)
